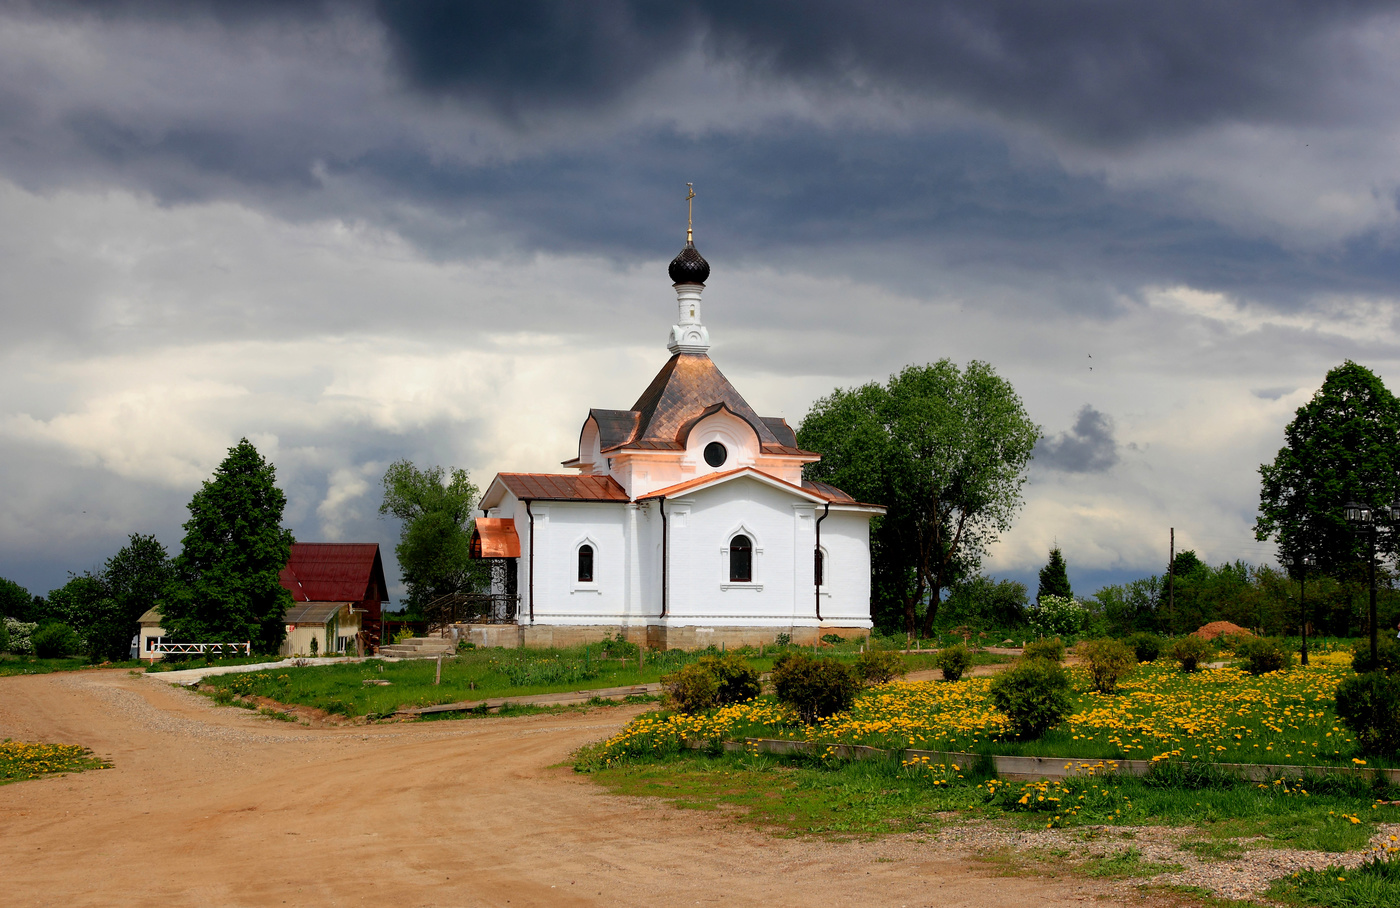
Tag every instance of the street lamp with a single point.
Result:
(1365, 519)
(1301, 563)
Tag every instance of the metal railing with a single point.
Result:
(471, 608)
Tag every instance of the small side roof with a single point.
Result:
(553, 487)
(150, 616)
(312, 612)
(494, 537)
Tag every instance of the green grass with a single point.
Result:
(474, 674)
(810, 795)
(177, 664)
(1126, 864)
(33, 665)
(22, 760)
(1375, 884)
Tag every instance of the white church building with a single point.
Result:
(685, 521)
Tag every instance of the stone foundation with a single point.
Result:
(654, 636)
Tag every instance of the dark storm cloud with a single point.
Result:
(1088, 447)
(1101, 71)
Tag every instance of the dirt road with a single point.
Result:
(211, 806)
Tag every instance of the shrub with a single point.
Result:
(783, 640)
(21, 633)
(1369, 706)
(953, 660)
(1109, 662)
(880, 666)
(1146, 646)
(816, 688)
(54, 641)
(1057, 615)
(1034, 694)
(4, 637)
(1387, 656)
(833, 639)
(1052, 649)
(692, 689)
(736, 680)
(1264, 654)
(1189, 651)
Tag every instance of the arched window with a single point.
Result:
(740, 560)
(585, 564)
(819, 574)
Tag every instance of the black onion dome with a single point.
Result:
(689, 267)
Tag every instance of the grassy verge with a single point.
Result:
(815, 795)
(476, 674)
(176, 665)
(1375, 884)
(33, 665)
(21, 760)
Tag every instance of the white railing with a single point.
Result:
(186, 649)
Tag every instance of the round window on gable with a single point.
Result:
(716, 454)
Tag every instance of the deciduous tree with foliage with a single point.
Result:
(225, 588)
(15, 601)
(945, 450)
(434, 549)
(1342, 445)
(1054, 578)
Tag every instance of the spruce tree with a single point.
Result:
(226, 588)
(1054, 581)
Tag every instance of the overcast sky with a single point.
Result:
(358, 232)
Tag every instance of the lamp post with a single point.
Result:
(1301, 563)
(1368, 520)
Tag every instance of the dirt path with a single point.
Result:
(220, 807)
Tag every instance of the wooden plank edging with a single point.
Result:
(1043, 767)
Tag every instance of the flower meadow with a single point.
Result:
(1158, 712)
(20, 760)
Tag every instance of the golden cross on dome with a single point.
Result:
(690, 214)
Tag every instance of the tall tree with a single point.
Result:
(1342, 445)
(434, 550)
(1054, 579)
(945, 450)
(15, 601)
(226, 587)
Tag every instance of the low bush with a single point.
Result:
(1052, 649)
(692, 689)
(1387, 656)
(21, 634)
(1147, 647)
(4, 637)
(1109, 662)
(815, 688)
(833, 639)
(1057, 615)
(1189, 651)
(783, 640)
(1034, 694)
(1369, 706)
(54, 641)
(736, 680)
(880, 666)
(953, 660)
(1264, 654)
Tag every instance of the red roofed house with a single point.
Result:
(687, 523)
(338, 591)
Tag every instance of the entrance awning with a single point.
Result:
(494, 537)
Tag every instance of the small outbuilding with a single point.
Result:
(322, 628)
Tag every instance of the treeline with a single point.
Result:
(222, 587)
(1189, 595)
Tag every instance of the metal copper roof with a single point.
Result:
(687, 385)
(495, 537)
(555, 487)
(335, 572)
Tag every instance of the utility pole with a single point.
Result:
(1171, 578)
